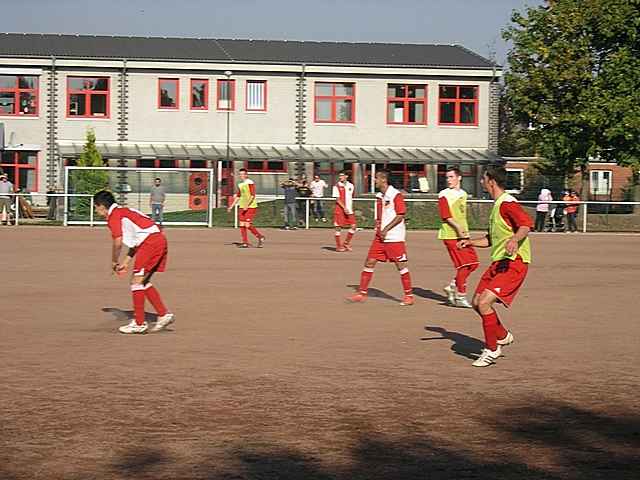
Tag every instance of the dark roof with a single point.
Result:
(240, 51)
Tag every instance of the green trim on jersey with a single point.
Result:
(457, 200)
(500, 232)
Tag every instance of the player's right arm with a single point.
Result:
(482, 242)
(236, 199)
(447, 217)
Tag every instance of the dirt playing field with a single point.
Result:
(268, 374)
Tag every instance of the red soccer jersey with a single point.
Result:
(133, 226)
(515, 216)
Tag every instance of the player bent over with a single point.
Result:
(452, 204)
(389, 241)
(246, 196)
(509, 226)
(343, 216)
(148, 245)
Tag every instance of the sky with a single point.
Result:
(476, 24)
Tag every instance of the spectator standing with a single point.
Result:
(303, 190)
(290, 214)
(571, 198)
(6, 189)
(157, 197)
(542, 208)
(317, 191)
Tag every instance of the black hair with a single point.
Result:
(497, 173)
(243, 170)
(385, 173)
(104, 198)
(455, 169)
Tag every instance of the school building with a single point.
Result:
(278, 108)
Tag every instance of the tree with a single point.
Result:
(574, 75)
(88, 181)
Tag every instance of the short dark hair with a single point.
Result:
(384, 173)
(455, 169)
(497, 173)
(243, 170)
(343, 172)
(104, 198)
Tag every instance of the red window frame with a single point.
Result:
(264, 96)
(407, 100)
(396, 169)
(330, 175)
(16, 96)
(232, 92)
(458, 101)
(16, 167)
(206, 93)
(177, 82)
(334, 99)
(265, 166)
(156, 162)
(88, 94)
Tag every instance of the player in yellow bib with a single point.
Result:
(509, 227)
(248, 207)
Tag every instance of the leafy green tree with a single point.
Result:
(88, 181)
(574, 75)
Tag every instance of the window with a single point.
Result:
(18, 95)
(21, 169)
(88, 97)
(469, 177)
(334, 102)
(329, 171)
(256, 96)
(458, 105)
(156, 163)
(270, 166)
(226, 95)
(169, 93)
(199, 94)
(197, 164)
(515, 180)
(407, 104)
(403, 176)
(601, 181)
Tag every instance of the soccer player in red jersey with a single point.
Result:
(389, 241)
(343, 216)
(509, 227)
(246, 197)
(148, 245)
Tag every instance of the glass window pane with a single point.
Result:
(416, 112)
(275, 165)
(168, 94)
(255, 95)
(198, 164)
(27, 179)
(395, 90)
(76, 83)
(324, 89)
(467, 112)
(323, 110)
(28, 82)
(77, 105)
(7, 102)
(416, 91)
(447, 112)
(27, 103)
(100, 84)
(8, 158)
(344, 110)
(146, 163)
(27, 158)
(323, 166)
(8, 81)
(513, 180)
(255, 165)
(99, 104)
(344, 89)
(198, 94)
(468, 92)
(166, 164)
(448, 92)
(395, 112)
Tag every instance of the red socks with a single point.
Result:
(405, 278)
(243, 233)
(137, 292)
(350, 234)
(493, 330)
(255, 232)
(338, 242)
(461, 277)
(365, 278)
(154, 298)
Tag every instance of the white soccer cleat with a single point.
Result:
(163, 322)
(133, 327)
(487, 357)
(508, 340)
(450, 290)
(461, 301)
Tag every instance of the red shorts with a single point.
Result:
(504, 278)
(387, 251)
(461, 257)
(151, 256)
(341, 219)
(247, 215)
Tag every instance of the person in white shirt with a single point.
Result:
(317, 191)
(6, 189)
(389, 242)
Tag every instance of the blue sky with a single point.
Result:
(475, 24)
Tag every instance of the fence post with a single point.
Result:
(584, 217)
(306, 225)
(15, 220)
(91, 211)
(375, 211)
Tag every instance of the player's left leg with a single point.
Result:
(405, 278)
(483, 303)
(244, 235)
(365, 278)
(350, 233)
(137, 325)
(462, 274)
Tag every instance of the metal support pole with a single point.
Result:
(65, 215)
(15, 223)
(307, 213)
(91, 211)
(218, 183)
(235, 216)
(584, 217)
(373, 178)
(210, 203)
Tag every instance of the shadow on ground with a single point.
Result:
(461, 344)
(125, 316)
(376, 293)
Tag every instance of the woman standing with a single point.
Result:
(542, 208)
